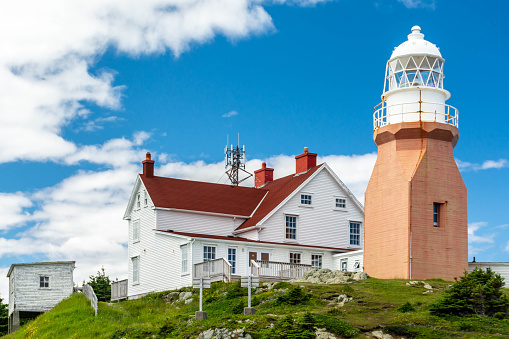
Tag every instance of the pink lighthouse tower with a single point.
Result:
(416, 200)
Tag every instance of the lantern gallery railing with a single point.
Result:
(278, 270)
(217, 270)
(414, 111)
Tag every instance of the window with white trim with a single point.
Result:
(294, 258)
(44, 281)
(291, 227)
(136, 230)
(232, 258)
(138, 200)
(146, 198)
(340, 203)
(316, 260)
(306, 199)
(185, 262)
(209, 253)
(136, 269)
(357, 264)
(355, 233)
(344, 265)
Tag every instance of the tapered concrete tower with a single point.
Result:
(416, 200)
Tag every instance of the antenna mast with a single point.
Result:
(235, 161)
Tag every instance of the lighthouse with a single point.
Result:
(416, 200)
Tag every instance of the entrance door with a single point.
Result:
(252, 256)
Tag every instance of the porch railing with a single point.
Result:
(217, 270)
(119, 290)
(278, 270)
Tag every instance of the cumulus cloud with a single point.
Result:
(431, 4)
(488, 164)
(48, 49)
(12, 209)
(474, 238)
(230, 114)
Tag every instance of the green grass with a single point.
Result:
(375, 306)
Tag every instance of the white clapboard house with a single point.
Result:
(182, 229)
(37, 287)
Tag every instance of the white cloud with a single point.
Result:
(98, 124)
(230, 114)
(488, 164)
(473, 238)
(12, 207)
(48, 48)
(419, 3)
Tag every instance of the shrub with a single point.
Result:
(236, 291)
(281, 285)
(478, 292)
(101, 285)
(4, 317)
(406, 307)
(237, 307)
(287, 328)
(337, 326)
(293, 297)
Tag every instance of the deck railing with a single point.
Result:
(414, 111)
(278, 270)
(217, 270)
(119, 290)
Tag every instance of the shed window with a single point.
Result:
(44, 282)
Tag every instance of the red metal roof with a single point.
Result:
(203, 196)
(218, 237)
(278, 191)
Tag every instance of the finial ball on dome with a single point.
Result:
(416, 29)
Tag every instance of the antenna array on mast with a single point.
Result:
(235, 161)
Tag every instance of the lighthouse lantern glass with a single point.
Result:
(413, 71)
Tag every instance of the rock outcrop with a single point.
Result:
(327, 276)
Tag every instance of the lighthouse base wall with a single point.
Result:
(415, 171)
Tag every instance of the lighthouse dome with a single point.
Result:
(416, 45)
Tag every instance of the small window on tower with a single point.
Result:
(438, 214)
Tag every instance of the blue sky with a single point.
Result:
(87, 89)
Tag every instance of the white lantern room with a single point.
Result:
(414, 85)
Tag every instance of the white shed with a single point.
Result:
(501, 268)
(35, 288)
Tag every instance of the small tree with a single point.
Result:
(4, 318)
(101, 284)
(478, 292)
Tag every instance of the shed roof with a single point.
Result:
(40, 263)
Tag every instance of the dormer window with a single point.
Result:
(306, 199)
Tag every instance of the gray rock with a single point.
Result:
(360, 276)
(381, 335)
(427, 286)
(321, 333)
(185, 295)
(188, 301)
(343, 298)
(326, 276)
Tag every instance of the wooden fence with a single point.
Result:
(119, 290)
(278, 270)
(89, 292)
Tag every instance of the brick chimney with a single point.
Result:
(148, 167)
(304, 161)
(263, 175)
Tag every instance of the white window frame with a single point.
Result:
(320, 260)
(45, 281)
(145, 198)
(336, 203)
(212, 252)
(286, 239)
(304, 197)
(184, 252)
(136, 269)
(295, 254)
(136, 230)
(138, 200)
(343, 261)
(350, 234)
(357, 264)
(234, 261)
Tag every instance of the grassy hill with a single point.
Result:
(375, 305)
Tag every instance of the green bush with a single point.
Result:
(293, 297)
(287, 328)
(4, 318)
(281, 285)
(478, 292)
(406, 307)
(337, 326)
(101, 285)
(237, 307)
(236, 291)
